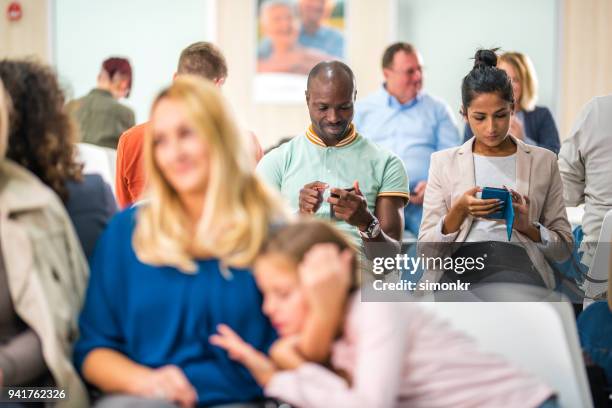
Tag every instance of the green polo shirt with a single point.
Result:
(305, 159)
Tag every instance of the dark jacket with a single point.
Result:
(101, 118)
(90, 206)
(539, 126)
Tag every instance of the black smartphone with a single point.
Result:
(331, 207)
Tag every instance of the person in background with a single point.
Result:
(595, 332)
(585, 165)
(101, 118)
(313, 32)
(456, 218)
(280, 27)
(202, 59)
(279, 143)
(42, 138)
(167, 272)
(43, 275)
(411, 123)
(532, 124)
(384, 354)
(367, 185)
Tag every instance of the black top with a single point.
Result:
(90, 206)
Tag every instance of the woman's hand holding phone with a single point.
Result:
(478, 207)
(522, 221)
(468, 205)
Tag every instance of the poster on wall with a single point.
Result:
(292, 37)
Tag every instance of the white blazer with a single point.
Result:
(451, 174)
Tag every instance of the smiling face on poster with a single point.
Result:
(293, 36)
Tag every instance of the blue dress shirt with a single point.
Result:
(413, 130)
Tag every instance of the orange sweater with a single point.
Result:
(130, 175)
(130, 178)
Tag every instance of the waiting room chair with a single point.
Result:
(539, 337)
(597, 278)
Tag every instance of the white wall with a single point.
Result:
(448, 32)
(369, 24)
(151, 33)
(28, 37)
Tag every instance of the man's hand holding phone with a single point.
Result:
(311, 197)
(351, 206)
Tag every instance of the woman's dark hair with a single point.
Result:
(485, 77)
(41, 135)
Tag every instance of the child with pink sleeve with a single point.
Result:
(383, 354)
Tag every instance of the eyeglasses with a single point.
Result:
(408, 72)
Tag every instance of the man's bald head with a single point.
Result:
(330, 95)
(331, 72)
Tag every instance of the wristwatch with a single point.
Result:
(372, 231)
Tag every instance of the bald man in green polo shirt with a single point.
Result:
(333, 172)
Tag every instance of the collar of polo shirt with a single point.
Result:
(350, 137)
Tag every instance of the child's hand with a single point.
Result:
(260, 366)
(284, 353)
(325, 273)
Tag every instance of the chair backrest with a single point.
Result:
(597, 281)
(539, 337)
(98, 160)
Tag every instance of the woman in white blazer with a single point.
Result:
(454, 216)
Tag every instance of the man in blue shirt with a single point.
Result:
(313, 33)
(407, 121)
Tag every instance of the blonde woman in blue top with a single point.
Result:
(165, 274)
